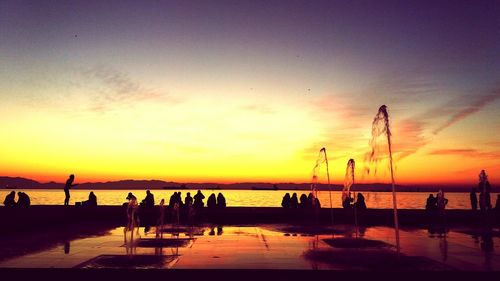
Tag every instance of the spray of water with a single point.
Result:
(349, 179)
(321, 162)
(381, 129)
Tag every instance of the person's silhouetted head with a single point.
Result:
(71, 176)
(148, 192)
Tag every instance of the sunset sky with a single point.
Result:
(233, 91)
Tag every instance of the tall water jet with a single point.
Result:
(346, 191)
(380, 127)
(322, 159)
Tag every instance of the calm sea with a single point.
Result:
(247, 198)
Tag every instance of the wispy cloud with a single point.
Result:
(467, 152)
(475, 105)
(109, 87)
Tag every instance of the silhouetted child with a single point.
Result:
(211, 201)
(92, 202)
(221, 201)
(10, 199)
(294, 202)
(24, 199)
(69, 184)
(285, 202)
(473, 199)
(198, 200)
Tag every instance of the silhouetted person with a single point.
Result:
(497, 204)
(221, 201)
(317, 204)
(179, 199)
(69, 184)
(484, 191)
(171, 201)
(149, 201)
(211, 201)
(303, 201)
(310, 199)
(360, 203)
(24, 199)
(198, 200)
(294, 202)
(131, 196)
(285, 202)
(10, 199)
(473, 199)
(346, 204)
(188, 200)
(92, 202)
(431, 203)
(441, 201)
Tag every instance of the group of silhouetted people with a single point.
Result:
(22, 201)
(306, 201)
(436, 203)
(220, 202)
(359, 205)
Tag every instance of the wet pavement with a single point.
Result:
(272, 247)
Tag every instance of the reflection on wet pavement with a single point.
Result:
(272, 247)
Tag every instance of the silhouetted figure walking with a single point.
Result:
(360, 204)
(211, 201)
(69, 184)
(473, 199)
(149, 201)
(10, 199)
(92, 202)
(431, 203)
(24, 199)
(198, 200)
(294, 202)
(221, 201)
(285, 202)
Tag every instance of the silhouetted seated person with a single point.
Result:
(149, 201)
(441, 201)
(198, 200)
(294, 202)
(10, 199)
(303, 201)
(431, 204)
(285, 202)
(211, 201)
(221, 201)
(24, 199)
(346, 203)
(92, 202)
(310, 199)
(360, 204)
(473, 199)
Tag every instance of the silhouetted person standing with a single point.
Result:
(10, 199)
(431, 203)
(188, 200)
(69, 184)
(473, 199)
(198, 200)
(149, 201)
(221, 201)
(484, 191)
